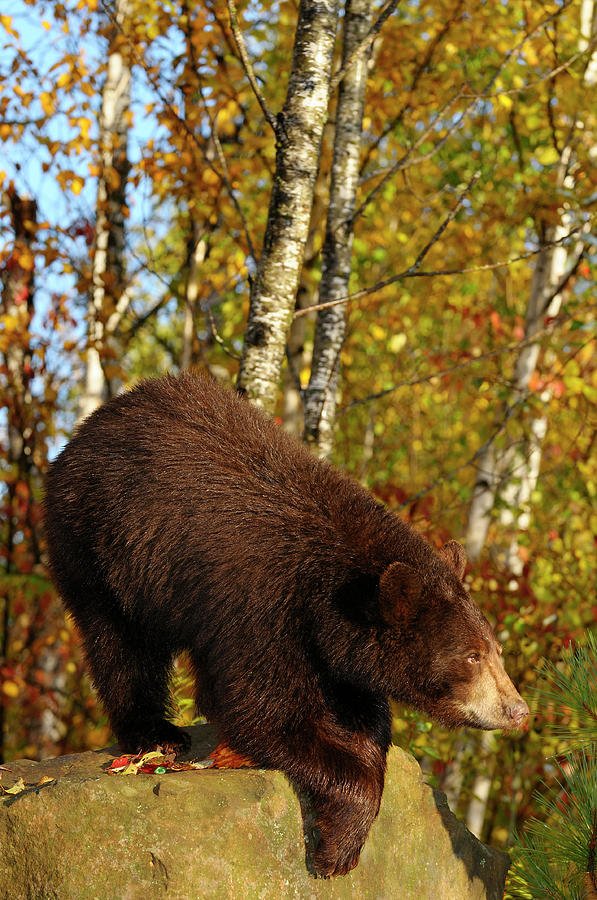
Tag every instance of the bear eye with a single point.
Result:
(473, 658)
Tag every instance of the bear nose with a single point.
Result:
(518, 713)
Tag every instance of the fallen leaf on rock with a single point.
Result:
(17, 787)
(150, 763)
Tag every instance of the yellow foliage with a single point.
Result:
(84, 126)
(397, 342)
(378, 332)
(6, 22)
(25, 259)
(47, 103)
(208, 176)
(10, 689)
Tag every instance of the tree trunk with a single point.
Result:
(498, 470)
(299, 132)
(16, 308)
(320, 396)
(23, 453)
(109, 299)
(511, 474)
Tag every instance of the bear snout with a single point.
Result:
(518, 713)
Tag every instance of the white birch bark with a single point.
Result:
(511, 474)
(299, 132)
(198, 250)
(298, 351)
(477, 807)
(109, 299)
(320, 396)
(497, 470)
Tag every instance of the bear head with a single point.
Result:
(443, 657)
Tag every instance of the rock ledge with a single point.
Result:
(234, 835)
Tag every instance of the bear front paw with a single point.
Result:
(169, 737)
(331, 859)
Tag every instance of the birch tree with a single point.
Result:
(508, 476)
(197, 252)
(109, 300)
(320, 396)
(299, 128)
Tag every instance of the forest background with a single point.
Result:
(183, 182)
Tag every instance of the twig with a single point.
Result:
(402, 163)
(386, 12)
(439, 231)
(421, 67)
(564, 279)
(246, 64)
(500, 427)
(410, 273)
(509, 348)
(406, 160)
(217, 338)
(537, 81)
(181, 120)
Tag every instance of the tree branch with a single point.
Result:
(182, 122)
(481, 95)
(422, 65)
(449, 218)
(246, 64)
(509, 348)
(386, 12)
(411, 273)
(406, 161)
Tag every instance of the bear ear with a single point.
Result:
(454, 554)
(399, 590)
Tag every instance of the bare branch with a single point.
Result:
(580, 252)
(246, 64)
(411, 273)
(449, 218)
(474, 99)
(217, 337)
(153, 80)
(548, 76)
(500, 427)
(421, 67)
(508, 348)
(406, 160)
(386, 12)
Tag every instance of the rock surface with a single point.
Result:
(223, 834)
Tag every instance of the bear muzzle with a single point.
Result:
(518, 713)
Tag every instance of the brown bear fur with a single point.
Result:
(180, 517)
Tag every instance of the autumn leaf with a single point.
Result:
(17, 787)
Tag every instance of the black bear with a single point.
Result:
(180, 517)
